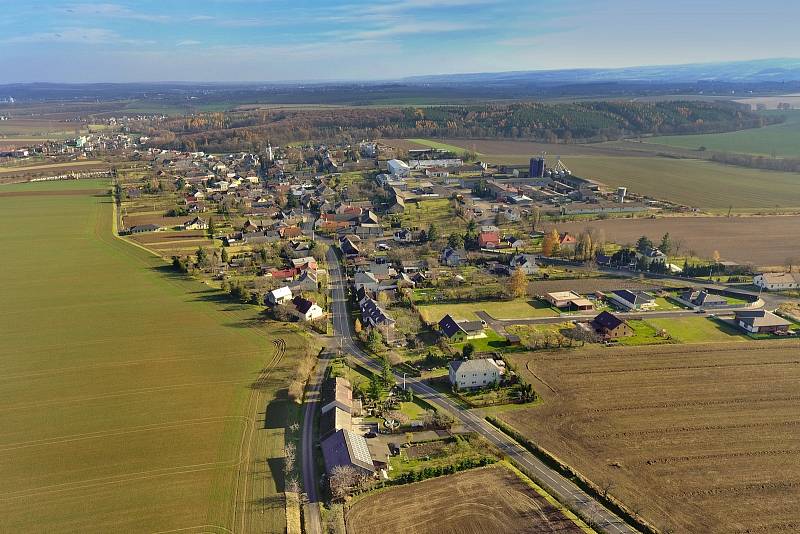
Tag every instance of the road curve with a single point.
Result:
(562, 488)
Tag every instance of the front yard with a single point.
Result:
(499, 309)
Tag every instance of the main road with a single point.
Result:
(562, 488)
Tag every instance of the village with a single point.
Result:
(450, 266)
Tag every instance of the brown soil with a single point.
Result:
(492, 500)
(764, 241)
(701, 438)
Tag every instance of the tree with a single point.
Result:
(345, 479)
(455, 241)
(432, 234)
(518, 285)
(716, 256)
(550, 243)
(224, 255)
(666, 244)
(357, 326)
(468, 350)
(375, 340)
(643, 244)
(536, 216)
(376, 390)
(203, 260)
(212, 227)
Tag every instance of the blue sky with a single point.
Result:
(276, 40)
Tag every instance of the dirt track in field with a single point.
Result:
(702, 438)
(54, 193)
(472, 502)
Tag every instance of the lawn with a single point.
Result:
(499, 309)
(133, 399)
(697, 329)
(437, 211)
(782, 140)
(489, 343)
(643, 334)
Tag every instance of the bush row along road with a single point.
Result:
(562, 488)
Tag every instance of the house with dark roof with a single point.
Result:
(373, 315)
(346, 448)
(458, 331)
(761, 322)
(609, 326)
(703, 298)
(469, 374)
(452, 257)
(306, 310)
(141, 228)
(632, 300)
(526, 262)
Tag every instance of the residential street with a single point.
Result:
(563, 489)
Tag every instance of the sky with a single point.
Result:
(317, 40)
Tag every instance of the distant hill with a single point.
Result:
(762, 70)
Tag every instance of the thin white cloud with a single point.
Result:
(188, 42)
(75, 36)
(112, 11)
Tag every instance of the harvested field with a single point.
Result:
(700, 438)
(492, 499)
(55, 167)
(764, 241)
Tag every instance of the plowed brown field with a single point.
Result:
(697, 439)
(492, 499)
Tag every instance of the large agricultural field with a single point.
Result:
(697, 438)
(132, 399)
(782, 140)
(765, 241)
(491, 499)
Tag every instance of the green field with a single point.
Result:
(499, 309)
(693, 182)
(132, 399)
(782, 140)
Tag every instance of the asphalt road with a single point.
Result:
(565, 490)
(313, 522)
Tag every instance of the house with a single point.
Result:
(703, 298)
(373, 315)
(609, 326)
(452, 257)
(777, 281)
(282, 295)
(650, 256)
(348, 248)
(566, 240)
(761, 322)
(633, 300)
(458, 331)
(347, 448)
(404, 236)
(398, 168)
(306, 310)
(196, 224)
(334, 420)
(336, 392)
(489, 239)
(468, 374)
(141, 228)
(515, 242)
(307, 281)
(305, 263)
(526, 262)
(568, 300)
(366, 280)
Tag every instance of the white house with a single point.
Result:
(196, 224)
(307, 310)
(467, 374)
(282, 295)
(633, 300)
(398, 168)
(777, 281)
